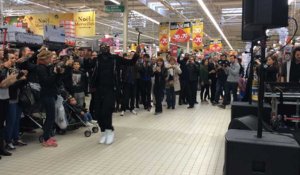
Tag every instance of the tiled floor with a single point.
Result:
(179, 141)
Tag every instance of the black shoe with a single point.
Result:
(5, 153)
(222, 106)
(157, 113)
(196, 102)
(190, 107)
(179, 103)
(173, 107)
(214, 103)
(19, 143)
(168, 107)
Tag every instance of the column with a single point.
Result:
(125, 26)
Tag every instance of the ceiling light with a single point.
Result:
(150, 19)
(205, 9)
(146, 36)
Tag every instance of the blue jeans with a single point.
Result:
(230, 87)
(171, 97)
(219, 90)
(12, 127)
(87, 117)
(49, 105)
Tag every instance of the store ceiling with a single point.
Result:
(226, 12)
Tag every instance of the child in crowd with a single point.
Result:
(76, 83)
(84, 113)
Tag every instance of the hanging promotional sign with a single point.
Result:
(164, 37)
(85, 24)
(216, 45)
(36, 22)
(197, 35)
(180, 32)
(174, 50)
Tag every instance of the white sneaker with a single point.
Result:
(88, 124)
(133, 112)
(110, 135)
(93, 122)
(102, 138)
(122, 113)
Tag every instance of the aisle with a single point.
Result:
(179, 141)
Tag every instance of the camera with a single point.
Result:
(60, 67)
(224, 63)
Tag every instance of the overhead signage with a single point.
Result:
(164, 37)
(180, 32)
(85, 25)
(197, 36)
(216, 45)
(114, 8)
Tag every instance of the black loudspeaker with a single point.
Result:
(265, 14)
(240, 109)
(245, 154)
(250, 35)
(244, 123)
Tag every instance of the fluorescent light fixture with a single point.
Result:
(205, 9)
(291, 1)
(114, 1)
(133, 32)
(232, 11)
(150, 19)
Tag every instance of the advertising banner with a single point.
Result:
(164, 37)
(85, 24)
(216, 45)
(36, 22)
(174, 50)
(180, 32)
(197, 27)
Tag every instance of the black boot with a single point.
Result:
(3, 152)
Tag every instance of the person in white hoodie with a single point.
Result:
(231, 86)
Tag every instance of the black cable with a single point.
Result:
(295, 32)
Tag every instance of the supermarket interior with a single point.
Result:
(149, 87)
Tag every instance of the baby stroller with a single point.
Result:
(75, 121)
(33, 113)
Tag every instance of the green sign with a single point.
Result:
(114, 8)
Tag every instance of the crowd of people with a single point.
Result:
(120, 83)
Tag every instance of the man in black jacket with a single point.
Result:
(104, 79)
(183, 80)
(221, 77)
(129, 86)
(193, 73)
(146, 70)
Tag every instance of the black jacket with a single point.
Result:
(49, 81)
(192, 71)
(106, 68)
(146, 71)
(184, 75)
(160, 78)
